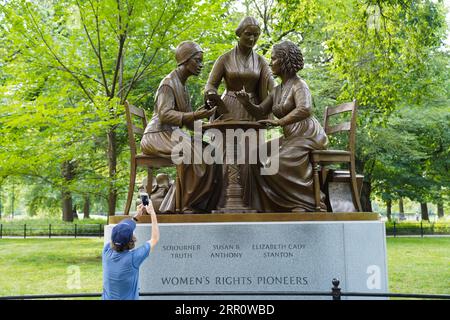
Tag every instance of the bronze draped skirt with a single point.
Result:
(199, 184)
(292, 186)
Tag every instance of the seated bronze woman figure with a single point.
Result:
(198, 183)
(291, 188)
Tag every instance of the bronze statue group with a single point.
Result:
(250, 95)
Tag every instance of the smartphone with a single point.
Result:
(144, 198)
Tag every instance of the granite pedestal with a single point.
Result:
(281, 253)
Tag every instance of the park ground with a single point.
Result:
(48, 266)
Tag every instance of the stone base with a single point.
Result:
(264, 256)
(254, 217)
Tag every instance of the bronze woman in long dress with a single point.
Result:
(172, 111)
(241, 68)
(291, 188)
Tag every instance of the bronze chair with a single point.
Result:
(142, 160)
(320, 158)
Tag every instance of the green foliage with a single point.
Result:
(384, 51)
(66, 67)
(391, 58)
(413, 155)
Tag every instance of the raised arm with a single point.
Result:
(215, 76)
(165, 106)
(155, 229)
(266, 82)
(168, 115)
(258, 111)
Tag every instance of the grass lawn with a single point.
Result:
(419, 265)
(49, 266)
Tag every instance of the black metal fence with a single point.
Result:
(96, 230)
(51, 230)
(419, 229)
(335, 294)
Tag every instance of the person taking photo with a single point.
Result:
(121, 261)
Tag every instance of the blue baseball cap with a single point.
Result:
(123, 232)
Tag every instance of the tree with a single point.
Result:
(424, 211)
(66, 67)
(400, 205)
(86, 58)
(86, 206)
(388, 55)
(440, 209)
(408, 158)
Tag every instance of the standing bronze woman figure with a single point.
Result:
(242, 68)
(172, 111)
(291, 189)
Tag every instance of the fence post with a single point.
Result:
(25, 231)
(395, 230)
(421, 229)
(100, 230)
(75, 230)
(49, 230)
(336, 291)
(1, 230)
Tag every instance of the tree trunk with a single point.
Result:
(112, 163)
(424, 211)
(75, 212)
(86, 207)
(365, 196)
(400, 206)
(67, 206)
(68, 173)
(440, 209)
(13, 201)
(112, 149)
(1, 203)
(389, 209)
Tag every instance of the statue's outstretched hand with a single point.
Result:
(243, 97)
(204, 113)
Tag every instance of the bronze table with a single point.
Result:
(234, 202)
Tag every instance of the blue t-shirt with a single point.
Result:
(121, 272)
